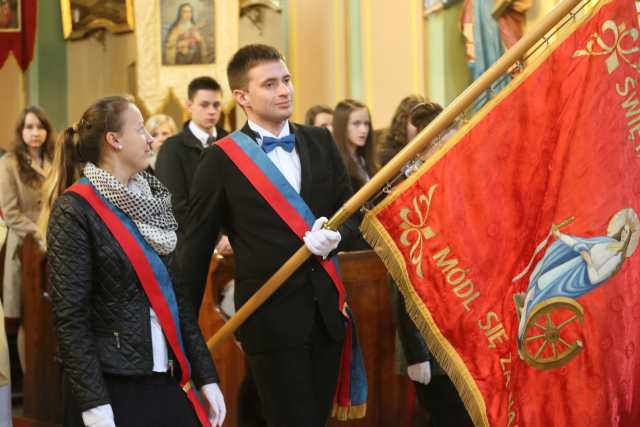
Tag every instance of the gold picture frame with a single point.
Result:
(10, 16)
(81, 17)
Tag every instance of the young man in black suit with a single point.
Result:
(180, 154)
(293, 342)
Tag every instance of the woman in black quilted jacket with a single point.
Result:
(131, 349)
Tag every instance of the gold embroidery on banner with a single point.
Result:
(419, 230)
(598, 45)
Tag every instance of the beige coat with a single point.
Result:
(20, 205)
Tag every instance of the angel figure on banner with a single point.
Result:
(571, 267)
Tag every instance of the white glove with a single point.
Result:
(100, 416)
(320, 241)
(420, 372)
(217, 409)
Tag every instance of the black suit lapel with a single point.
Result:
(220, 133)
(190, 139)
(248, 131)
(302, 146)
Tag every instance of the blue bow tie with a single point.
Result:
(286, 142)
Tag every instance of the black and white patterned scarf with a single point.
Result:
(146, 201)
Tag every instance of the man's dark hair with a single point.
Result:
(245, 59)
(202, 83)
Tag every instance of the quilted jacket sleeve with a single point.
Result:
(70, 268)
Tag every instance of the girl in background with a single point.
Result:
(320, 116)
(22, 173)
(354, 138)
(161, 127)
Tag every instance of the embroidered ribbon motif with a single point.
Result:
(597, 45)
(416, 233)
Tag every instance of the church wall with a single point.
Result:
(539, 9)
(272, 32)
(447, 73)
(316, 53)
(98, 69)
(13, 95)
(393, 55)
(386, 37)
(377, 52)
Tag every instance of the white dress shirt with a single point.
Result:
(202, 134)
(287, 163)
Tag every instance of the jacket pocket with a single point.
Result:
(111, 352)
(109, 339)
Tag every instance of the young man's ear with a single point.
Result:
(241, 97)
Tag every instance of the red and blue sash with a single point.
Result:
(350, 400)
(153, 276)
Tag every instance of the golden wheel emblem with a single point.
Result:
(550, 338)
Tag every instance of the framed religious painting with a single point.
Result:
(10, 17)
(187, 32)
(81, 17)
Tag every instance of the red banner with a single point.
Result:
(515, 244)
(18, 31)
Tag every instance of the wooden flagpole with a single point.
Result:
(390, 170)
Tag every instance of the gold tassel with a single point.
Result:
(346, 413)
(438, 345)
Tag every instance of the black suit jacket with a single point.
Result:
(221, 196)
(175, 166)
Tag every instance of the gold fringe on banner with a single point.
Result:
(438, 345)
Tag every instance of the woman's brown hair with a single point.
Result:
(27, 174)
(310, 116)
(423, 114)
(396, 137)
(340, 134)
(77, 145)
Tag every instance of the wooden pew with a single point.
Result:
(367, 287)
(42, 384)
(368, 292)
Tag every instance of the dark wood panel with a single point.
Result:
(28, 422)
(228, 357)
(42, 379)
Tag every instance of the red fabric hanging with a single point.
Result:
(22, 42)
